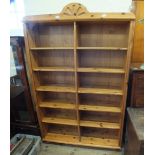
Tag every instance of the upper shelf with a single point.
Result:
(101, 70)
(55, 69)
(79, 48)
(81, 69)
(103, 48)
(85, 17)
(50, 48)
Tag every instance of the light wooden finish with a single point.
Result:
(56, 89)
(76, 78)
(85, 17)
(100, 91)
(56, 69)
(103, 48)
(32, 83)
(50, 48)
(101, 70)
(57, 105)
(59, 121)
(85, 141)
(127, 67)
(99, 108)
(79, 66)
(74, 10)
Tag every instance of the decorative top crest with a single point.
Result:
(74, 9)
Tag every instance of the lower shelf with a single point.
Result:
(100, 91)
(99, 108)
(85, 141)
(59, 121)
(56, 88)
(83, 123)
(97, 124)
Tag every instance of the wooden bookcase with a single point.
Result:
(79, 64)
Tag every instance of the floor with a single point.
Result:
(59, 149)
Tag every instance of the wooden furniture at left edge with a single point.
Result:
(23, 117)
(72, 21)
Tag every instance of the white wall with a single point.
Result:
(12, 64)
(36, 7)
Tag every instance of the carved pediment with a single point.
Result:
(74, 9)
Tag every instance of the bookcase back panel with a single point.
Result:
(54, 58)
(100, 116)
(58, 97)
(55, 36)
(101, 58)
(101, 80)
(60, 113)
(106, 34)
(100, 100)
(63, 129)
(55, 78)
(100, 133)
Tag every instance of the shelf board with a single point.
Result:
(79, 48)
(103, 48)
(56, 69)
(57, 105)
(96, 124)
(101, 70)
(56, 88)
(51, 48)
(99, 108)
(61, 121)
(100, 91)
(85, 141)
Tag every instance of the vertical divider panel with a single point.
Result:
(125, 84)
(76, 78)
(29, 42)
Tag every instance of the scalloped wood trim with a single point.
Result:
(74, 9)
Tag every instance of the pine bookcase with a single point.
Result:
(78, 66)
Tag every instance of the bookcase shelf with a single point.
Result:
(56, 69)
(56, 88)
(57, 105)
(78, 65)
(94, 124)
(59, 121)
(85, 141)
(101, 70)
(103, 48)
(100, 91)
(99, 108)
(51, 48)
(100, 124)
